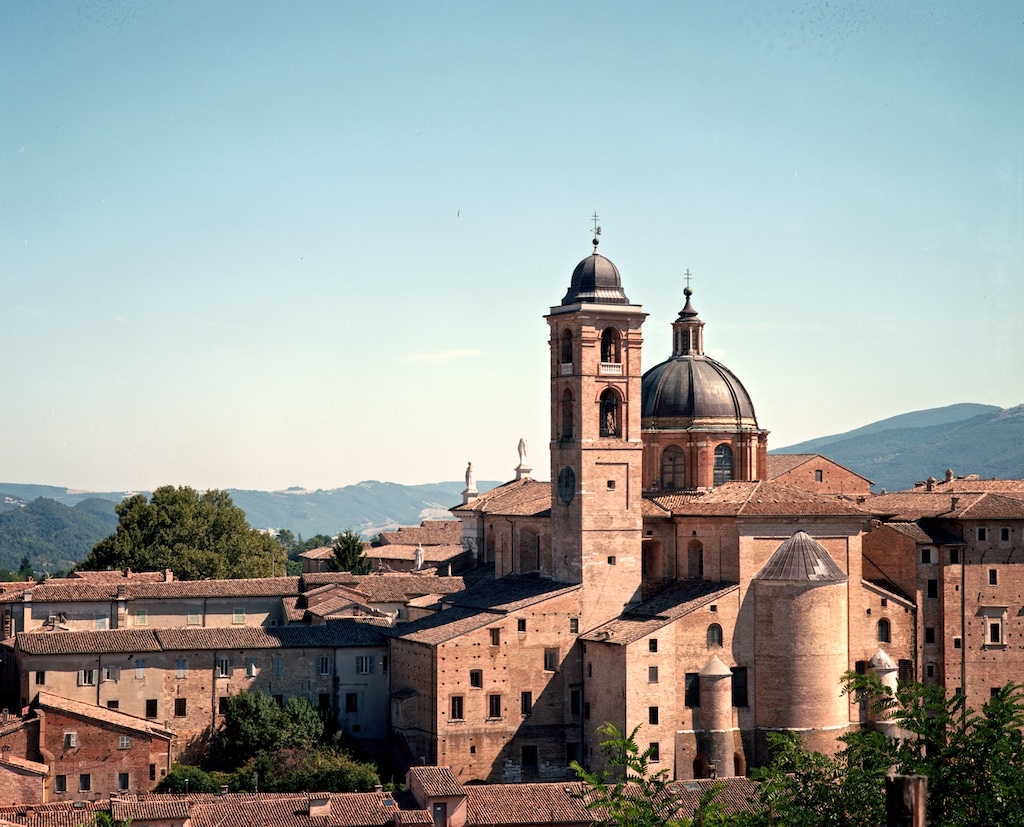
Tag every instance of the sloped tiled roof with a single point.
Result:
(757, 499)
(119, 576)
(321, 553)
(48, 700)
(70, 590)
(87, 643)
(680, 598)
(779, 464)
(154, 808)
(491, 805)
(509, 593)
(386, 588)
(518, 498)
(926, 531)
(431, 554)
(427, 533)
(347, 810)
(735, 793)
(64, 814)
(437, 782)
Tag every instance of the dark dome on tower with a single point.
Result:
(595, 280)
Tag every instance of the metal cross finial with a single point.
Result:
(687, 275)
(597, 229)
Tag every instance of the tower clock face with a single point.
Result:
(566, 484)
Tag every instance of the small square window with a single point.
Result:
(193, 617)
(611, 485)
(124, 742)
(929, 670)
(611, 560)
(141, 617)
(926, 555)
(84, 782)
(70, 740)
(476, 678)
(652, 645)
(521, 624)
(982, 533)
(652, 674)
(113, 704)
(993, 691)
(238, 617)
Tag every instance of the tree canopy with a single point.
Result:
(348, 553)
(197, 535)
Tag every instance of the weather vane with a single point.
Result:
(597, 230)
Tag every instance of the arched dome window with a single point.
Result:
(611, 413)
(673, 468)
(883, 630)
(611, 351)
(566, 357)
(566, 431)
(723, 464)
(714, 635)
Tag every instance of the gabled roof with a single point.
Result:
(518, 498)
(386, 588)
(490, 805)
(437, 782)
(87, 643)
(677, 600)
(925, 531)
(427, 533)
(908, 506)
(779, 464)
(757, 499)
(431, 554)
(509, 593)
(47, 700)
(63, 814)
(72, 590)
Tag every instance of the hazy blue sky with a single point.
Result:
(269, 244)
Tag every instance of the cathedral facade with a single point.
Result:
(661, 581)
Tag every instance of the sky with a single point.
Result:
(268, 244)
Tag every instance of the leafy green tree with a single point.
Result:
(253, 723)
(634, 795)
(296, 769)
(348, 553)
(187, 779)
(197, 535)
(304, 723)
(25, 569)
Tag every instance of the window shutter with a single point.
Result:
(81, 677)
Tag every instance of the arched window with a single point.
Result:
(611, 415)
(673, 468)
(883, 630)
(610, 349)
(714, 635)
(566, 358)
(566, 431)
(701, 768)
(723, 464)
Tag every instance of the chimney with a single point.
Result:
(168, 576)
(319, 804)
(956, 502)
(930, 484)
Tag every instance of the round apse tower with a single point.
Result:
(698, 422)
(801, 639)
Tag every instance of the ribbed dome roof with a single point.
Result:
(694, 387)
(801, 558)
(595, 280)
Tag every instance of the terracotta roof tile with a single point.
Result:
(69, 590)
(779, 464)
(387, 588)
(155, 808)
(64, 814)
(519, 498)
(437, 782)
(87, 643)
(431, 554)
(510, 593)
(502, 804)
(48, 700)
(119, 576)
(427, 533)
(346, 810)
(757, 499)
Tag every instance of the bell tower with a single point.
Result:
(596, 445)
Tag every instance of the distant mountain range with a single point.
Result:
(57, 527)
(895, 453)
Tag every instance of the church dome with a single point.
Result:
(596, 281)
(691, 389)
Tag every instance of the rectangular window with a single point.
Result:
(929, 634)
(530, 756)
(611, 560)
(279, 665)
(60, 784)
(193, 617)
(550, 660)
(40, 678)
(140, 669)
(364, 664)
(575, 697)
(86, 677)
(692, 698)
(457, 710)
(572, 752)
(995, 631)
(141, 617)
(574, 625)
(521, 624)
(351, 702)
(526, 703)
(906, 670)
(151, 708)
(223, 667)
(494, 706)
(495, 637)
(222, 705)
(1004, 535)
(124, 742)
(279, 700)
(238, 617)
(250, 667)
(929, 670)
(818, 476)
(954, 556)
(101, 622)
(384, 664)
(180, 707)
(70, 740)
(654, 752)
(84, 782)
(180, 667)
(111, 673)
(652, 674)
(739, 686)
(476, 678)
(933, 588)
(324, 664)
(652, 715)
(113, 704)
(122, 781)
(982, 533)
(652, 645)
(926, 555)
(586, 710)
(993, 577)
(152, 772)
